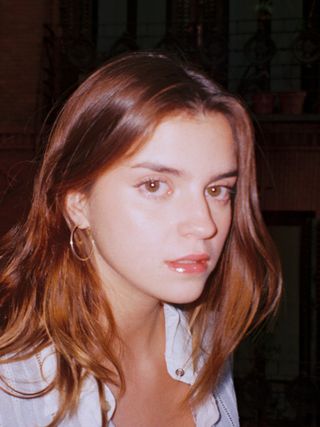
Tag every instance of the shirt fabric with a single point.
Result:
(218, 410)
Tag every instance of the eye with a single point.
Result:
(154, 187)
(220, 192)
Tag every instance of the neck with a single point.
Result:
(140, 322)
(141, 328)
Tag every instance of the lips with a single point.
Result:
(190, 264)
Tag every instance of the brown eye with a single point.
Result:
(152, 186)
(219, 192)
(214, 191)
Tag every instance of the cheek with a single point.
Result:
(124, 229)
(225, 219)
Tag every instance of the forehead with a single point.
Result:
(202, 138)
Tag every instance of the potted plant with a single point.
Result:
(263, 102)
(292, 101)
(291, 98)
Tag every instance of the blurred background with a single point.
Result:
(268, 53)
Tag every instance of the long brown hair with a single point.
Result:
(48, 297)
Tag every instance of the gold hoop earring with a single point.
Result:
(73, 246)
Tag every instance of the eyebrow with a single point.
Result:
(156, 167)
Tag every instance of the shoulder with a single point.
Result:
(21, 384)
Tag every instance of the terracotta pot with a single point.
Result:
(263, 102)
(291, 102)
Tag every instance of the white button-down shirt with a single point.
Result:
(26, 377)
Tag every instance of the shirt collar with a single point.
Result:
(178, 346)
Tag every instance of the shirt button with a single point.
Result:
(180, 372)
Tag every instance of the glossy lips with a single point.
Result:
(189, 264)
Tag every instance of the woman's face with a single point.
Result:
(160, 219)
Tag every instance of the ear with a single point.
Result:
(76, 205)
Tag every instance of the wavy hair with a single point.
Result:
(48, 297)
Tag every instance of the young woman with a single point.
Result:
(143, 261)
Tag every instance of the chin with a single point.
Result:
(184, 297)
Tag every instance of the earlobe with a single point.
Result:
(76, 205)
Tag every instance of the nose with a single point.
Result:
(197, 220)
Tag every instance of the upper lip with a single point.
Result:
(192, 258)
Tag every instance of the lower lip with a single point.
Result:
(188, 268)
